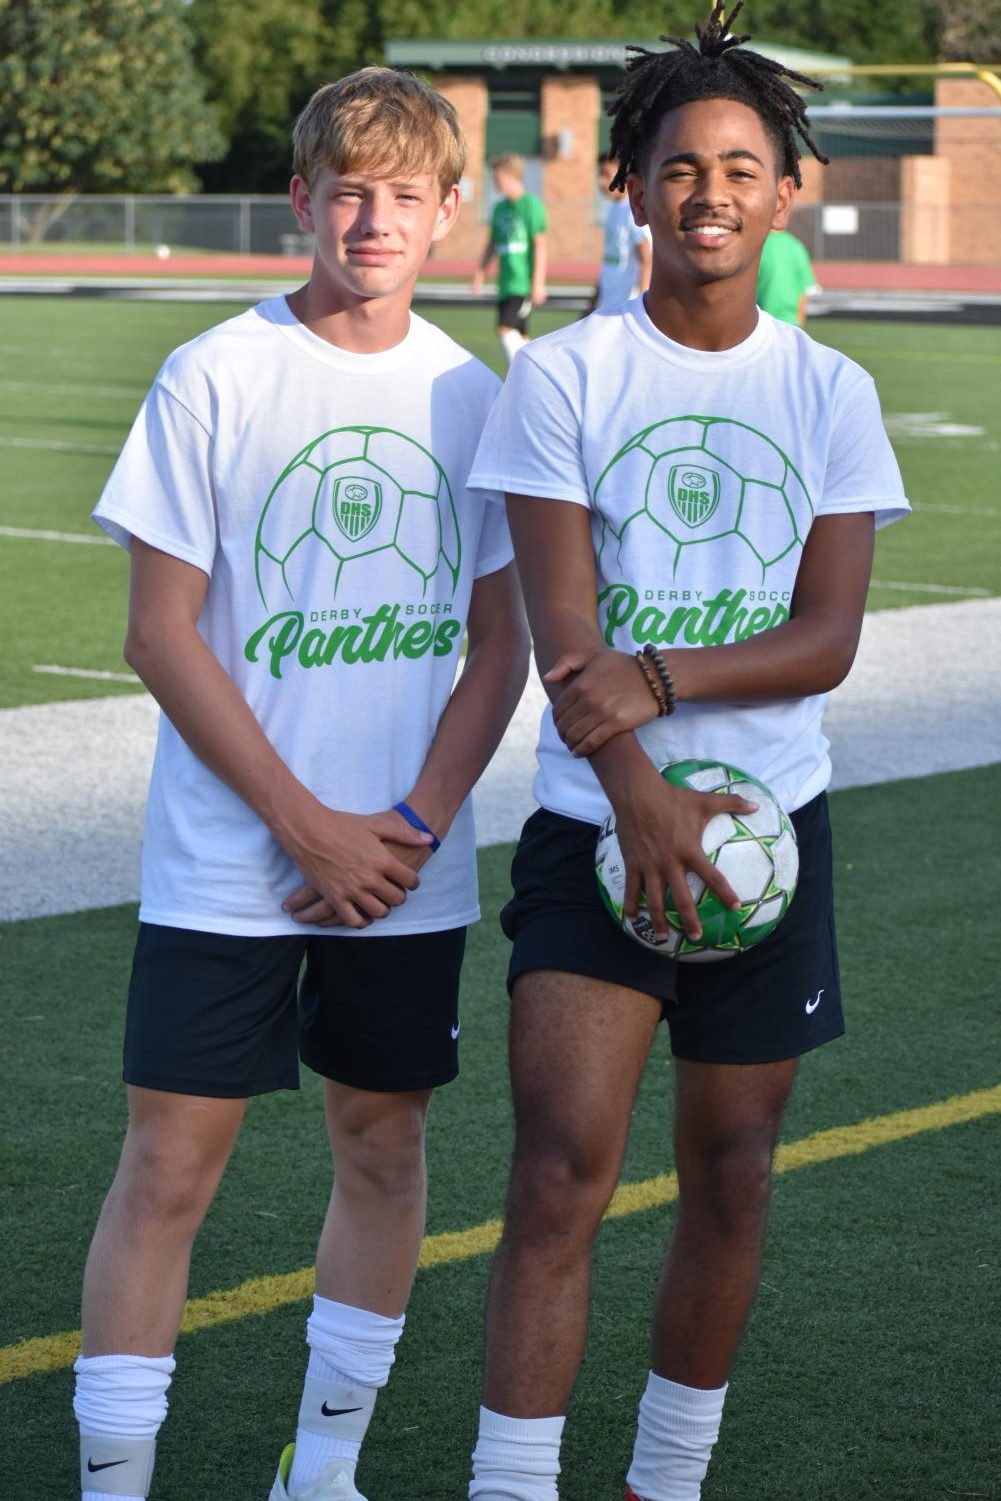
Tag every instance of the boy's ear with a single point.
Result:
(784, 202)
(302, 203)
(636, 189)
(448, 212)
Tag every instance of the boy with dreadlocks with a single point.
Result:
(695, 484)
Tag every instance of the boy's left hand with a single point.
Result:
(605, 694)
(307, 906)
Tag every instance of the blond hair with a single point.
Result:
(381, 121)
(509, 161)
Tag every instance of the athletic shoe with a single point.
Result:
(337, 1483)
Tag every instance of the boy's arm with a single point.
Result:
(600, 696)
(540, 254)
(476, 284)
(811, 652)
(343, 854)
(475, 717)
(482, 702)
(659, 826)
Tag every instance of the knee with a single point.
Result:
(381, 1154)
(165, 1179)
(559, 1189)
(729, 1187)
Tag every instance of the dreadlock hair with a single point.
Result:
(720, 67)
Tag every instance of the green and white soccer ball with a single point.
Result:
(696, 481)
(756, 852)
(354, 499)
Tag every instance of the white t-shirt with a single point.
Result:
(325, 495)
(703, 472)
(619, 278)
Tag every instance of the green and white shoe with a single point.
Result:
(337, 1483)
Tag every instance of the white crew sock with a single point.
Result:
(120, 1402)
(677, 1428)
(351, 1352)
(511, 342)
(516, 1459)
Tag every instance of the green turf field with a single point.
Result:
(870, 1370)
(869, 1373)
(73, 372)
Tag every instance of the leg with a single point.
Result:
(372, 1234)
(383, 1015)
(578, 1047)
(136, 1278)
(727, 1122)
(727, 1119)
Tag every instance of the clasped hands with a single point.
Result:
(357, 868)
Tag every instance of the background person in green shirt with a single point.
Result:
(517, 238)
(785, 276)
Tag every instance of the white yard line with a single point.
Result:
(133, 393)
(86, 672)
(53, 445)
(923, 697)
(31, 534)
(930, 588)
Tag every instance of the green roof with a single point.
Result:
(439, 55)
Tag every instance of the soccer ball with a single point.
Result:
(352, 494)
(698, 480)
(755, 851)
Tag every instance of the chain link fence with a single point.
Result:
(856, 230)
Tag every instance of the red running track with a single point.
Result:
(833, 276)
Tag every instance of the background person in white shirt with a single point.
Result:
(625, 246)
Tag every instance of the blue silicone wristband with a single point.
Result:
(416, 822)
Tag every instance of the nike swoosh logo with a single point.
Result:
(337, 1412)
(811, 1006)
(107, 1464)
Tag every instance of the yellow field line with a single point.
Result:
(261, 1295)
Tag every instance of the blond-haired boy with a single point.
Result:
(306, 559)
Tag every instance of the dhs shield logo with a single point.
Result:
(357, 503)
(693, 493)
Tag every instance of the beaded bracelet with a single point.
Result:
(663, 672)
(653, 683)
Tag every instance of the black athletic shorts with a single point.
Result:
(777, 1000)
(514, 312)
(211, 1014)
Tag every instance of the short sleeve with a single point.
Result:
(862, 470)
(531, 444)
(495, 549)
(160, 490)
(539, 222)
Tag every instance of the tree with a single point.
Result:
(971, 31)
(100, 96)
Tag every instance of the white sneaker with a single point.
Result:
(337, 1483)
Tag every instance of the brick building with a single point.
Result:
(546, 100)
(933, 197)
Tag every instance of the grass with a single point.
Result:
(73, 373)
(866, 1371)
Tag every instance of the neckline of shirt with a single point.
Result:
(278, 313)
(641, 326)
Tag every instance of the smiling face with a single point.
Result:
(372, 233)
(710, 192)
